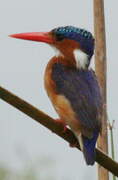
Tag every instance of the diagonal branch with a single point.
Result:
(55, 127)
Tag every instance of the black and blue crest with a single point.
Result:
(82, 36)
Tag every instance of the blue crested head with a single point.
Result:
(83, 37)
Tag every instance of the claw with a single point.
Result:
(73, 145)
(61, 122)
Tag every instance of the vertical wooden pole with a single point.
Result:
(100, 68)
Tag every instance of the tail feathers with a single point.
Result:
(88, 147)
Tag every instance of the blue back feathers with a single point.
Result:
(81, 88)
(82, 36)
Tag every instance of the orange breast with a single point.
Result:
(60, 102)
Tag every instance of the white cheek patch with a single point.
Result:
(81, 58)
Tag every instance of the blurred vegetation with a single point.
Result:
(41, 169)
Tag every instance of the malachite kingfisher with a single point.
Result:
(71, 84)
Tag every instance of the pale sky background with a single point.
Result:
(22, 65)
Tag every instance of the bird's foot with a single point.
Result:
(61, 122)
(73, 144)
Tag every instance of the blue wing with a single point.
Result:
(81, 88)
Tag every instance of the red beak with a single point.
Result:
(35, 36)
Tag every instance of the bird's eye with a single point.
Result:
(59, 37)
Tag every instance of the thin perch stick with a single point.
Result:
(55, 127)
(111, 126)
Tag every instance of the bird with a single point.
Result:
(72, 85)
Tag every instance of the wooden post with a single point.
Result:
(100, 68)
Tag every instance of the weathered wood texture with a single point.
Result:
(100, 68)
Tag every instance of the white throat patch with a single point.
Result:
(81, 58)
(57, 52)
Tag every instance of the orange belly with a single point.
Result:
(60, 102)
